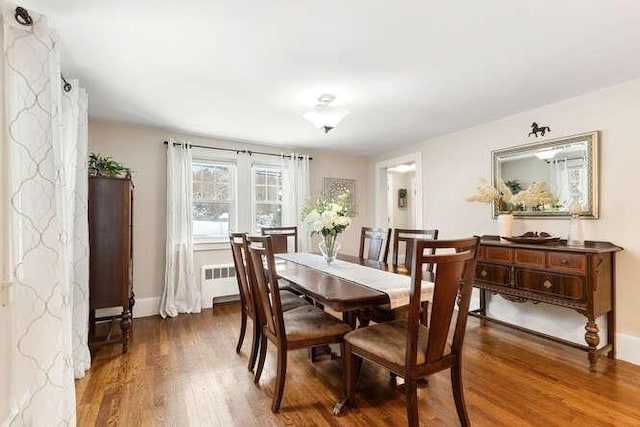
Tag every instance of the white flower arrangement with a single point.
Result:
(533, 197)
(328, 217)
(486, 193)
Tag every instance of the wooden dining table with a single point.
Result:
(338, 294)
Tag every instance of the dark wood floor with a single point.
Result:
(185, 372)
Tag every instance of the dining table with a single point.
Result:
(351, 285)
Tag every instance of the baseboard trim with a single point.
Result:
(628, 348)
(146, 307)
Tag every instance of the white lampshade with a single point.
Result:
(324, 116)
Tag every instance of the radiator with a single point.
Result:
(218, 284)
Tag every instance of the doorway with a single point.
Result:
(398, 195)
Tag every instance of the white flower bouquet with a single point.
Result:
(328, 218)
(486, 193)
(533, 197)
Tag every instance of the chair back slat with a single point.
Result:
(238, 249)
(266, 280)
(377, 242)
(280, 238)
(452, 284)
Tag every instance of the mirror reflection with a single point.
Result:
(565, 167)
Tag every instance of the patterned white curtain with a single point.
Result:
(295, 192)
(180, 293)
(75, 140)
(44, 145)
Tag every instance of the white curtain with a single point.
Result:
(295, 192)
(44, 141)
(560, 182)
(180, 293)
(75, 135)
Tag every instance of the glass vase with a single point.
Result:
(329, 247)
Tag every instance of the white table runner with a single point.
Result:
(397, 286)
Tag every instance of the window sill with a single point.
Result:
(213, 245)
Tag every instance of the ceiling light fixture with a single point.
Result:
(547, 154)
(324, 116)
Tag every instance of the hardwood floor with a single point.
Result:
(185, 372)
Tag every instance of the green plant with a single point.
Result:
(106, 166)
(402, 193)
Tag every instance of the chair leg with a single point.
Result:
(411, 391)
(243, 328)
(255, 344)
(280, 377)
(458, 394)
(263, 355)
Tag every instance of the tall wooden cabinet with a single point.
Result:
(110, 257)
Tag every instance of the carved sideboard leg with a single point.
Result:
(125, 326)
(593, 340)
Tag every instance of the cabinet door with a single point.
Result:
(109, 241)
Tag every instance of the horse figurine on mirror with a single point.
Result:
(535, 129)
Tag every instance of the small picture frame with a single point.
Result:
(402, 198)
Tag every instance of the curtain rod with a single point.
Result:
(249, 152)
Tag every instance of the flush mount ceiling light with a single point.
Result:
(324, 116)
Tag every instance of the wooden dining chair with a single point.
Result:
(247, 299)
(377, 242)
(301, 327)
(247, 289)
(280, 238)
(407, 238)
(407, 347)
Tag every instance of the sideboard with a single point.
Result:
(581, 278)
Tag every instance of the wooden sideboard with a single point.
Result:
(581, 278)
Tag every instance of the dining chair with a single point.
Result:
(246, 287)
(301, 327)
(280, 238)
(247, 299)
(377, 242)
(408, 237)
(407, 347)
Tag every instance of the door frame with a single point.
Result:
(381, 188)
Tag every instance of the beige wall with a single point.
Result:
(453, 163)
(141, 149)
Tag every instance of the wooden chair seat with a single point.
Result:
(311, 325)
(388, 341)
(289, 300)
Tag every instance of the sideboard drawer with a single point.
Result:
(529, 257)
(498, 254)
(565, 261)
(560, 285)
(491, 273)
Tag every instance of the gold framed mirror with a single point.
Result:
(566, 168)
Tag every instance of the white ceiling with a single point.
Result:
(407, 70)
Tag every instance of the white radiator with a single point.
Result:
(218, 283)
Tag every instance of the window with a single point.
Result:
(213, 199)
(267, 197)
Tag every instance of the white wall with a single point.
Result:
(453, 163)
(400, 217)
(141, 149)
